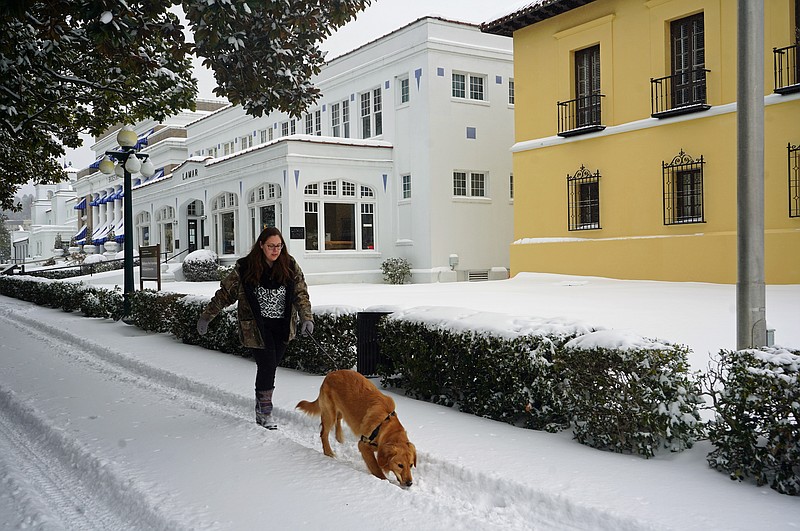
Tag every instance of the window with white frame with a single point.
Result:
(223, 211)
(227, 148)
(309, 124)
(285, 128)
(292, 126)
(165, 218)
(262, 136)
(245, 141)
(341, 220)
(404, 90)
(340, 119)
(212, 151)
(318, 122)
(371, 112)
(511, 91)
(469, 184)
(143, 228)
(336, 120)
(405, 185)
(264, 204)
(469, 86)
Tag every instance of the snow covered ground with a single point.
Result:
(104, 426)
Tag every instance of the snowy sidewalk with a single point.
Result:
(106, 426)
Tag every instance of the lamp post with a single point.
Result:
(131, 162)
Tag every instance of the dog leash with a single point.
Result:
(321, 349)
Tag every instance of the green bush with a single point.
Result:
(335, 331)
(102, 302)
(201, 267)
(396, 270)
(630, 400)
(510, 380)
(756, 397)
(154, 310)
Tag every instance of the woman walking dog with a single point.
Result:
(272, 292)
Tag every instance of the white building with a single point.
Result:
(405, 155)
(53, 215)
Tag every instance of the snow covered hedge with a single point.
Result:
(628, 394)
(756, 430)
(201, 266)
(619, 392)
(507, 380)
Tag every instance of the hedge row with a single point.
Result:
(635, 399)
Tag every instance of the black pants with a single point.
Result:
(269, 357)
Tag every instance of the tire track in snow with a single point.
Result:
(66, 486)
(497, 501)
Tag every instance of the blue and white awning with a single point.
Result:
(81, 233)
(81, 205)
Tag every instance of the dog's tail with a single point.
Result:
(310, 408)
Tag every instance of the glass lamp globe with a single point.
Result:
(133, 164)
(106, 165)
(119, 170)
(126, 137)
(147, 170)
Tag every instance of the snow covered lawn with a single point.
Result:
(104, 426)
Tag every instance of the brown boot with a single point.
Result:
(264, 410)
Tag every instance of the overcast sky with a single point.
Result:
(382, 17)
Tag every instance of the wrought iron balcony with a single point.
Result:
(678, 94)
(580, 116)
(787, 69)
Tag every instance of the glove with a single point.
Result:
(307, 328)
(202, 325)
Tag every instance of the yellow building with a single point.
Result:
(625, 162)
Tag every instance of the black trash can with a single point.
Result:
(367, 346)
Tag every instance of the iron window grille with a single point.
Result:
(683, 190)
(583, 199)
(794, 181)
(786, 69)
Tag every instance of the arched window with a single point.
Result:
(343, 219)
(165, 218)
(143, 228)
(264, 206)
(224, 210)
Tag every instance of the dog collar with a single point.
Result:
(374, 435)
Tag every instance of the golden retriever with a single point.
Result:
(370, 414)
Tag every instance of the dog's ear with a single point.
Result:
(413, 452)
(385, 451)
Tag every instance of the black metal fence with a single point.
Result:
(579, 116)
(786, 69)
(794, 181)
(679, 93)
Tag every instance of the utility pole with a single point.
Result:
(751, 320)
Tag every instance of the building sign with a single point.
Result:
(149, 267)
(189, 174)
(297, 233)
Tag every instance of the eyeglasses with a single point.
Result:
(276, 247)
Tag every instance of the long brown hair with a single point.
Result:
(256, 262)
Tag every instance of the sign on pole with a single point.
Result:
(149, 266)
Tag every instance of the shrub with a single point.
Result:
(101, 302)
(223, 332)
(632, 398)
(335, 331)
(756, 396)
(396, 270)
(506, 379)
(200, 266)
(154, 310)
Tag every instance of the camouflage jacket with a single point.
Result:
(232, 290)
